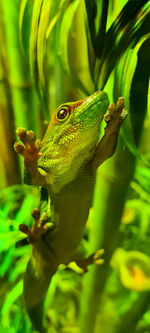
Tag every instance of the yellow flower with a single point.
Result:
(134, 269)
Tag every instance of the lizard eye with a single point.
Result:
(62, 114)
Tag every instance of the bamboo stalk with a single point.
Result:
(10, 173)
(110, 195)
(23, 97)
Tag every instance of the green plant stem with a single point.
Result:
(102, 28)
(110, 195)
(129, 321)
(23, 98)
(10, 173)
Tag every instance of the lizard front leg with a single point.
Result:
(30, 151)
(107, 146)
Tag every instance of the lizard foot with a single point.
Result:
(30, 147)
(92, 258)
(115, 116)
(40, 226)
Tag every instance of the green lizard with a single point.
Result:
(64, 164)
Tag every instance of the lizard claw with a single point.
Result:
(40, 226)
(29, 148)
(95, 258)
(19, 148)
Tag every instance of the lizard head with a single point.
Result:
(71, 138)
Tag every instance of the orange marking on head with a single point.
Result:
(54, 120)
(50, 126)
(74, 105)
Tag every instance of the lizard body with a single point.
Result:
(65, 164)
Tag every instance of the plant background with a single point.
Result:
(63, 50)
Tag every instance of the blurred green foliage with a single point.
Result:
(51, 52)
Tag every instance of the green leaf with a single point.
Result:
(35, 58)
(19, 268)
(123, 78)
(14, 294)
(21, 251)
(24, 213)
(25, 17)
(6, 262)
(97, 18)
(21, 17)
(131, 24)
(91, 9)
(102, 28)
(43, 24)
(131, 82)
(9, 239)
(139, 90)
(53, 22)
(64, 32)
(33, 37)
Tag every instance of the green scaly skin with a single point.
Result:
(64, 164)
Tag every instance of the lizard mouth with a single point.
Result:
(42, 170)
